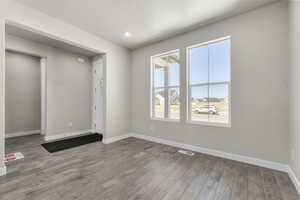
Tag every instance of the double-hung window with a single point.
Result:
(209, 82)
(165, 85)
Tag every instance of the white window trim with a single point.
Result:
(166, 88)
(189, 86)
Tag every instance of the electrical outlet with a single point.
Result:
(293, 155)
(70, 124)
(151, 127)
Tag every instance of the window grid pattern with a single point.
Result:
(165, 108)
(208, 94)
(208, 118)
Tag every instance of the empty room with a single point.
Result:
(150, 100)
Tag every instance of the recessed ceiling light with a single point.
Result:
(127, 34)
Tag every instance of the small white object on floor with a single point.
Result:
(14, 156)
(189, 153)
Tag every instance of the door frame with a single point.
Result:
(43, 64)
(98, 53)
(98, 108)
(36, 29)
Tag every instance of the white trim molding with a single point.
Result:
(23, 133)
(43, 65)
(244, 159)
(165, 87)
(294, 178)
(190, 85)
(67, 135)
(230, 156)
(3, 171)
(115, 139)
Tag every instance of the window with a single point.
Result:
(209, 82)
(165, 86)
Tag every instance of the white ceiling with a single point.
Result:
(147, 20)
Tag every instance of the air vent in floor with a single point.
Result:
(189, 153)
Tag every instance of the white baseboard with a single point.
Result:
(230, 156)
(115, 139)
(3, 171)
(67, 135)
(236, 157)
(23, 133)
(294, 178)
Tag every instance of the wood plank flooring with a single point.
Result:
(134, 169)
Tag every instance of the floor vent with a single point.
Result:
(189, 153)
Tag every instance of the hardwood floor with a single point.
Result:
(134, 169)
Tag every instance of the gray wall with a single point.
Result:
(69, 86)
(295, 86)
(69, 93)
(259, 87)
(22, 93)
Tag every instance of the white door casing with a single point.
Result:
(43, 95)
(98, 94)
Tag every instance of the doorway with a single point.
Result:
(24, 94)
(19, 39)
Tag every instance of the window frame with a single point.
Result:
(166, 88)
(189, 86)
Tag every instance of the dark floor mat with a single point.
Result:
(60, 145)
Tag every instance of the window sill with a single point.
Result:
(224, 125)
(165, 120)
